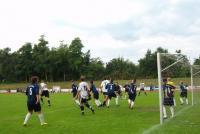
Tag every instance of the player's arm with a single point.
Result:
(37, 95)
(78, 94)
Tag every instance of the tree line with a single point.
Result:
(68, 61)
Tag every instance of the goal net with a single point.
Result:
(174, 84)
(195, 84)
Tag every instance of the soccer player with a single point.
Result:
(132, 93)
(82, 94)
(95, 94)
(111, 87)
(168, 91)
(126, 87)
(45, 92)
(118, 93)
(74, 92)
(169, 82)
(33, 101)
(183, 94)
(104, 90)
(142, 85)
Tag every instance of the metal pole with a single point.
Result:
(192, 85)
(160, 88)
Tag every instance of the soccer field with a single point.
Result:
(64, 117)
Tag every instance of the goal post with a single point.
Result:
(165, 62)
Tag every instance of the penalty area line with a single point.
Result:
(159, 125)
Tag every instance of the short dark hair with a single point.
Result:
(91, 81)
(82, 78)
(34, 79)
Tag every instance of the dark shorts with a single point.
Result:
(132, 97)
(141, 89)
(83, 101)
(96, 96)
(105, 93)
(33, 106)
(110, 95)
(183, 94)
(45, 93)
(74, 94)
(169, 101)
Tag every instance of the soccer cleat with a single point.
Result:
(24, 124)
(82, 113)
(165, 117)
(42, 124)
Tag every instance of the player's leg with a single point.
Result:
(105, 99)
(28, 115)
(171, 103)
(48, 98)
(82, 105)
(116, 99)
(37, 109)
(164, 112)
(89, 106)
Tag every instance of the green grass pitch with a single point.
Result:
(64, 117)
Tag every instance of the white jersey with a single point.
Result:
(141, 85)
(43, 86)
(103, 85)
(83, 86)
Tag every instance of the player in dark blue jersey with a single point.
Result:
(111, 91)
(95, 92)
(74, 92)
(131, 89)
(168, 91)
(183, 93)
(33, 101)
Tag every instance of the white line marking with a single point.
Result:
(158, 125)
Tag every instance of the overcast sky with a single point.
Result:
(109, 28)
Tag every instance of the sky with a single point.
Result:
(108, 28)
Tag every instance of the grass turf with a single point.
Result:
(64, 117)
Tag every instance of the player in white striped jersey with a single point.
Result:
(45, 92)
(82, 94)
(104, 90)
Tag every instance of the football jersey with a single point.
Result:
(132, 88)
(167, 90)
(183, 88)
(32, 91)
(142, 85)
(74, 88)
(110, 87)
(93, 89)
(103, 85)
(43, 86)
(83, 89)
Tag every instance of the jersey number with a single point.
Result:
(30, 91)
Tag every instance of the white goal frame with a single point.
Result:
(160, 70)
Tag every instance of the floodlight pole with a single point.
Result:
(192, 84)
(160, 88)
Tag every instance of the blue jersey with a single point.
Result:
(93, 89)
(32, 91)
(183, 88)
(167, 90)
(132, 88)
(74, 88)
(110, 87)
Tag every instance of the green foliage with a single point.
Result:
(68, 61)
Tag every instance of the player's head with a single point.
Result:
(168, 79)
(181, 82)
(104, 78)
(164, 80)
(34, 79)
(134, 80)
(111, 80)
(82, 78)
(91, 82)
